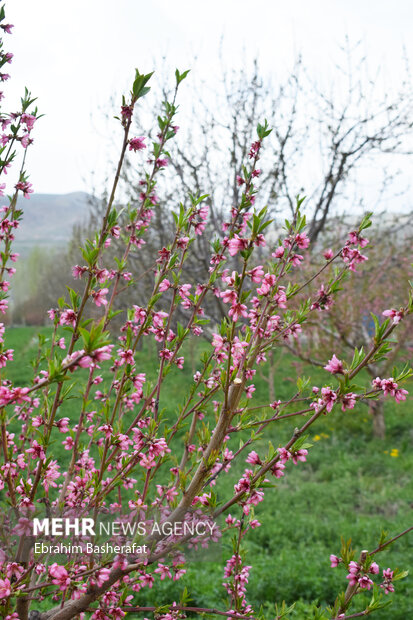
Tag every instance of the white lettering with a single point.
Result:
(87, 527)
(40, 526)
(57, 525)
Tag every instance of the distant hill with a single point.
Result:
(48, 220)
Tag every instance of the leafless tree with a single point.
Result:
(322, 143)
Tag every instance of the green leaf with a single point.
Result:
(180, 76)
(139, 89)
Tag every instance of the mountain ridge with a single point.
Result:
(48, 219)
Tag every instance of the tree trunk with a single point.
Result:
(379, 424)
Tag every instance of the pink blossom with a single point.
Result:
(267, 283)
(236, 244)
(394, 314)
(163, 571)
(256, 274)
(23, 527)
(279, 252)
(280, 298)
(99, 297)
(63, 425)
(365, 582)
(229, 296)
(147, 580)
(302, 241)
(103, 353)
(126, 357)
(60, 576)
(387, 581)
(237, 310)
(353, 257)
(356, 239)
(158, 318)
(400, 395)
(335, 366)
(78, 271)
(146, 461)
(139, 315)
(334, 561)
(389, 386)
(68, 443)
(253, 459)
(164, 285)
(165, 354)
(285, 455)
(5, 357)
(26, 140)
(5, 588)
(274, 405)
(348, 401)
(294, 331)
(25, 187)
(29, 120)
(353, 574)
(260, 240)
(231, 521)
(182, 242)
(328, 397)
(126, 112)
(101, 576)
(37, 451)
(254, 150)
(374, 568)
(107, 430)
(296, 259)
(68, 317)
(249, 391)
(184, 290)
(50, 475)
(328, 254)
(299, 455)
(137, 144)
(218, 343)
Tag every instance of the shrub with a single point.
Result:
(147, 475)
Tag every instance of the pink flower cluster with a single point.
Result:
(359, 576)
(391, 388)
(394, 314)
(237, 576)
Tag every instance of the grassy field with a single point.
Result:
(351, 485)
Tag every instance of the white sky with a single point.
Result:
(74, 55)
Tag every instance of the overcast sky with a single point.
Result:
(74, 55)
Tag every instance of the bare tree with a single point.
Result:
(322, 143)
(349, 324)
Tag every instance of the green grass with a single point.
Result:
(350, 486)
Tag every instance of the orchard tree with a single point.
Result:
(351, 322)
(321, 140)
(133, 458)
